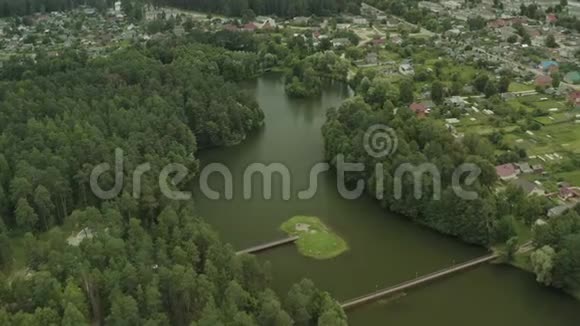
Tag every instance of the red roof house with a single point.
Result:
(543, 81)
(507, 171)
(267, 26)
(574, 98)
(231, 28)
(420, 109)
(566, 193)
(379, 41)
(497, 23)
(551, 19)
(250, 27)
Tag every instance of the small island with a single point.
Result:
(316, 240)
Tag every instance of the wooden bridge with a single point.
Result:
(416, 282)
(267, 246)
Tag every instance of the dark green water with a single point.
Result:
(384, 249)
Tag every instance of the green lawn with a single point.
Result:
(466, 73)
(524, 232)
(572, 177)
(316, 240)
(385, 55)
(519, 87)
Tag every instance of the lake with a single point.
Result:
(385, 249)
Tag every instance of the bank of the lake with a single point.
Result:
(384, 249)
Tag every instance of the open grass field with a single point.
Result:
(570, 177)
(316, 240)
(519, 87)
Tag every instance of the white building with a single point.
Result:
(451, 5)
(406, 69)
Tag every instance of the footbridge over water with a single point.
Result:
(417, 282)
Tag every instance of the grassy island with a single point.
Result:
(316, 239)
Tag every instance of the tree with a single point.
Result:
(480, 82)
(504, 229)
(75, 301)
(526, 39)
(543, 263)
(248, 15)
(566, 272)
(299, 302)
(270, 312)
(511, 248)
(406, 88)
(504, 84)
(556, 80)
(476, 23)
(44, 205)
(26, 218)
(73, 317)
(551, 41)
(490, 89)
(124, 310)
(437, 92)
(20, 188)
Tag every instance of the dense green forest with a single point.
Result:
(27, 7)
(281, 8)
(144, 260)
(419, 141)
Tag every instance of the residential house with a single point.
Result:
(179, 30)
(451, 5)
(572, 77)
(378, 42)
(420, 109)
(551, 19)
(301, 20)
(529, 188)
(406, 69)
(543, 81)
(396, 39)
(249, 27)
(538, 168)
(340, 42)
(525, 167)
(370, 11)
(557, 211)
(456, 101)
(567, 193)
(431, 6)
(372, 58)
(231, 28)
(118, 7)
(497, 23)
(268, 25)
(360, 21)
(507, 171)
(548, 66)
(574, 98)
